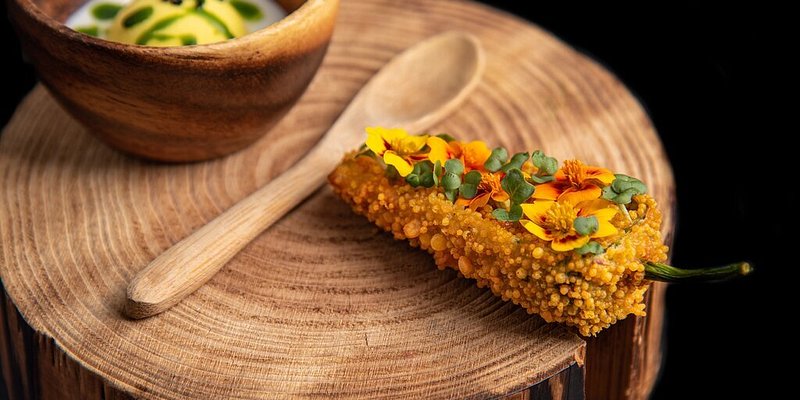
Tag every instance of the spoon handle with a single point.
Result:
(445, 68)
(190, 263)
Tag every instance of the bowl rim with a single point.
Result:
(218, 49)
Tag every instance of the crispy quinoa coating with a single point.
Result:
(589, 292)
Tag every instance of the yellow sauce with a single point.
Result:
(164, 23)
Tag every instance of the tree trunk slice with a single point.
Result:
(322, 304)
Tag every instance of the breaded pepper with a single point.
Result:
(577, 244)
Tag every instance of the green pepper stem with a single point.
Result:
(667, 273)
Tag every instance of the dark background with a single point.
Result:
(708, 77)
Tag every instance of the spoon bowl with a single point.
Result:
(405, 91)
(414, 90)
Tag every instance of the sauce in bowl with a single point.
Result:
(173, 22)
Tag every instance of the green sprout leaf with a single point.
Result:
(451, 195)
(437, 172)
(447, 138)
(454, 166)
(623, 188)
(516, 162)
(586, 225)
(473, 178)
(546, 165)
(469, 188)
(421, 175)
(591, 247)
(391, 172)
(542, 179)
(451, 181)
(413, 180)
(514, 213)
(515, 185)
(365, 152)
(496, 160)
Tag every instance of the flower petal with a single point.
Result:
(605, 214)
(500, 196)
(438, 150)
(549, 190)
(591, 206)
(475, 154)
(463, 202)
(403, 167)
(456, 149)
(375, 141)
(535, 229)
(590, 192)
(605, 228)
(569, 242)
(601, 174)
(389, 134)
(412, 144)
(536, 209)
(479, 201)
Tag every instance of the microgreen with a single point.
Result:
(516, 162)
(586, 225)
(496, 160)
(546, 167)
(591, 247)
(514, 213)
(623, 188)
(469, 188)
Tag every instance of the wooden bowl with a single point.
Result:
(178, 103)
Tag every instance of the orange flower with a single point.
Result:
(473, 154)
(554, 221)
(575, 183)
(488, 188)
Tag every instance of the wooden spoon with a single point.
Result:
(414, 90)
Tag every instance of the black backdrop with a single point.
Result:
(705, 75)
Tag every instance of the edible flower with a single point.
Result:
(574, 183)
(488, 188)
(567, 226)
(473, 154)
(396, 147)
(442, 150)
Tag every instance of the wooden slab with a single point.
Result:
(321, 305)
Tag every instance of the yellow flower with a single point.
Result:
(396, 147)
(441, 150)
(473, 154)
(554, 221)
(575, 183)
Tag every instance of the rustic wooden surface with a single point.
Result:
(321, 304)
(446, 67)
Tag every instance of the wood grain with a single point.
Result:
(446, 67)
(321, 305)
